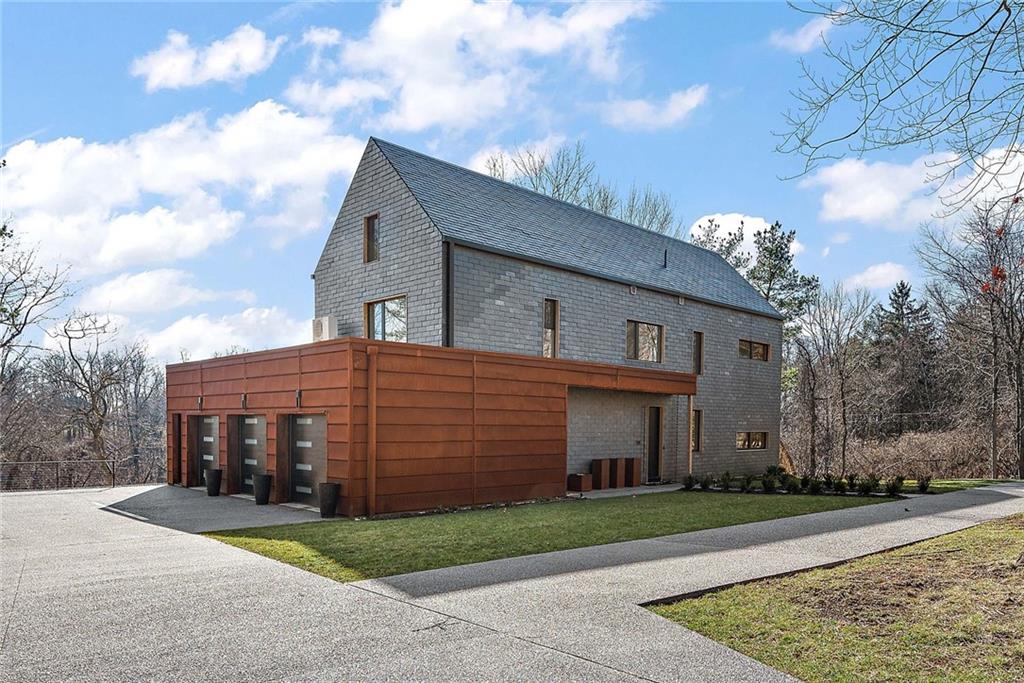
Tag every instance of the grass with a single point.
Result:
(350, 550)
(950, 485)
(951, 608)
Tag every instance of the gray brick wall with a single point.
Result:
(410, 255)
(498, 306)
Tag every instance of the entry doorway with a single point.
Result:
(653, 444)
(308, 457)
(252, 456)
(204, 447)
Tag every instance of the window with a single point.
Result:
(753, 350)
(644, 341)
(371, 238)
(751, 441)
(550, 343)
(696, 429)
(698, 353)
(385, 320)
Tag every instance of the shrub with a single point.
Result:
(839, 486)
(725, 481)
(814, 487)
(774, 471)
(868, 485)
(924, 482)
(874, 482)
(747, 483)
(805, 481)
(689, 481)
(769, 483)
(894, 486)
(706, 482)
(852, 480)
(792, 485)
(829, 481)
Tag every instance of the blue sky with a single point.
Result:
(187, 160)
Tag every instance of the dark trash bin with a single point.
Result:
(261, 488)
(329, 494)
(213, 481)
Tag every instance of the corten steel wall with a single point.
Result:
(410, 427)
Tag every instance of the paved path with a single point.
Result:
(90, 595)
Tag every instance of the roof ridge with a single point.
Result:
(547, 197)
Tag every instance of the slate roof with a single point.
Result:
(476, 210)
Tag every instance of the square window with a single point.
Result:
(644, 341)
(386, 320)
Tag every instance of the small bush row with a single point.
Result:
(776, 478)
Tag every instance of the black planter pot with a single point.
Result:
(213, 481)
(261, 488)
(329, 494)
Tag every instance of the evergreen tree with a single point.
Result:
(729, 247)
(777, 279)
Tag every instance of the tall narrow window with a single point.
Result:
(550, 343)
(644, 341)
(371, 238)
(696, 429)
(698, 353)
(385, 320)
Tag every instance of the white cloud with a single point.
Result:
(320, 38)
(804, 39)
(879, 276)
(840, 238)
(314, 96)
(159, 195)
(177, 64)
(458, 64)
(897, 196)
(546, 146)
(153, 291)
(825, 252)
(203, 335)
(646, 115)
(730, 222)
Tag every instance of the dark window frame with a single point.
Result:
(369, 318)
(747, 350)
(556, 323)
(371, 242)
(696, 430)
(698, 352)
(633, 341)
(745, 441)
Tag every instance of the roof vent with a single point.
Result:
(665, 262)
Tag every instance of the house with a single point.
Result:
(427, 252)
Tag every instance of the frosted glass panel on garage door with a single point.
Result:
(309, 457)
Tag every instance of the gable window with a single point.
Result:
(644, 341)
(385, 320)
(698, 353)
(371, 238)
(751, 441)
(696, 429)
(753, 350)
(550, 342)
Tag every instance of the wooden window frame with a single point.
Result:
(636, 341)
(375, 217)
(556, 337)
(698, 354)
(749, 355)
(747, 440)
(368, 305)
(696, 419)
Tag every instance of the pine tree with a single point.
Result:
(777, 279)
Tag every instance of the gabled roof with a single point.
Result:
(476, 210)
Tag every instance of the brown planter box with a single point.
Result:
(580, 482)
(618, 473)
(634, 467)
(600, 471)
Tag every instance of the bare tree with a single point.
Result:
(939, 75)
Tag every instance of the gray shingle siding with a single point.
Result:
(498, 306)
(410, 255)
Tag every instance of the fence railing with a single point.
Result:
(34, 475)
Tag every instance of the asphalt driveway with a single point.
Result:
(103, 585)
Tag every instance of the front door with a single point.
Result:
(309, 457)
(253, 450)
(209, 446)
(653, 444)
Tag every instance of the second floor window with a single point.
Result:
(753, 350)
(751, 441)
(644, 341)
(371, 238)
(550, 343)
(698, 353)
(385, 320)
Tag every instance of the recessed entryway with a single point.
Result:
(653, 444)
(308, 457)
(252, 450)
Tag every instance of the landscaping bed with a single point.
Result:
(950, 608)
(350, 550)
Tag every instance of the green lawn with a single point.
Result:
(949, 609)
(349, 550)
(949, 485)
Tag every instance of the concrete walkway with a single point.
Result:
(90, 595)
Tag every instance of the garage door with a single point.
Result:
(309, 457)
(208, 446)
(253, 433)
